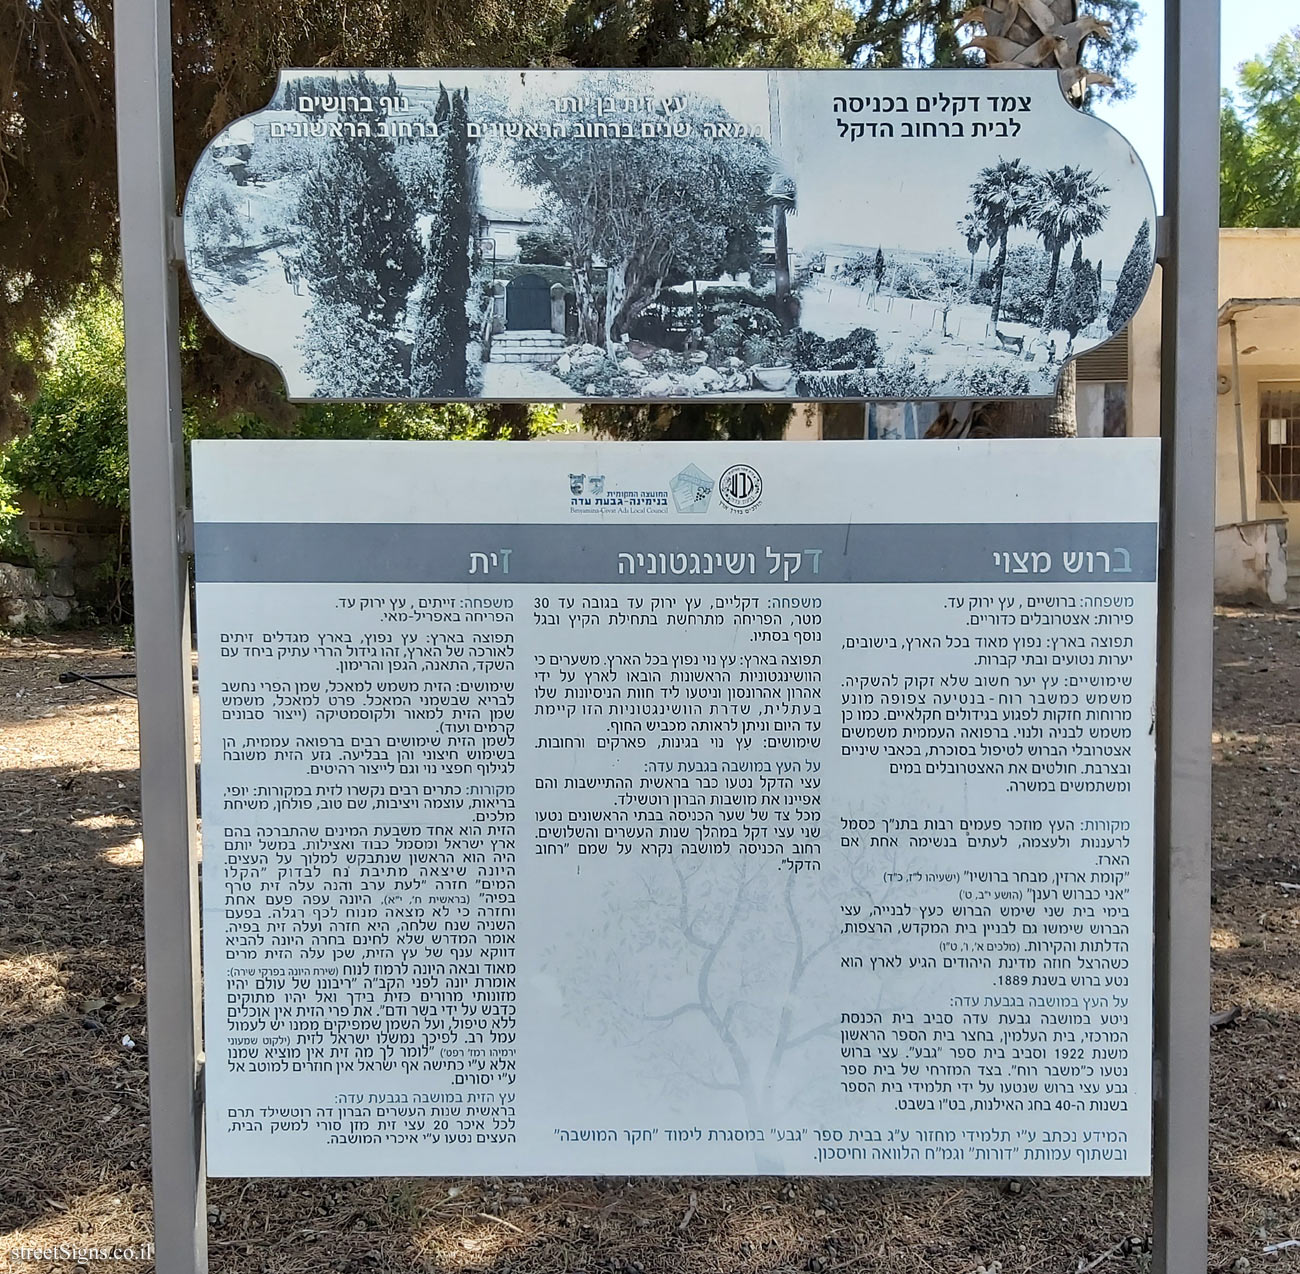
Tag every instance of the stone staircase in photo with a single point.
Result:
(526, 347)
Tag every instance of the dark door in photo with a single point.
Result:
(528, 304)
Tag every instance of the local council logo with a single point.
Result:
(740, 487)
(692, 490)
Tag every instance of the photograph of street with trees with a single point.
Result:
(649, 235)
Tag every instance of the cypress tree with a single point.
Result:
(442, 327)
(1079, 300)
(360, 254)
(1133, 279)
(880, 266)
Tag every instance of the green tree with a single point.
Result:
(359, 244)
(783, 199)
(1067, 207)
(58, 150)
(57, 145)
(1259, 164)
(442, 328)
(645, 210)
(974, 230)
(1002, 196)
(1079, 300)
(76, 444)
(928, 33)
(618, 33)
(359, 253)
(1133, 279)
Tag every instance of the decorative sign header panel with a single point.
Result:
(677, 808)
(652, 234)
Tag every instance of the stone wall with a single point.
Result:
(31, 598)
(72, 543)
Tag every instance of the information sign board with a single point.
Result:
(638, 235)
(677, 808)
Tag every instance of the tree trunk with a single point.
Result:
(1063, 422)
(782, 246)
(1052, 277)
(615, 295)
(588, 319)
(1002, 274)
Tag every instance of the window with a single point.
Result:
(1279, 443)
(1101, 408)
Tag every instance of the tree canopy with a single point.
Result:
(644, 209)
(57, 145)
(1259, 179)
(929, 33)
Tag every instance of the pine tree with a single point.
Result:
(879, 267)
(1133, 279)
(442, 329)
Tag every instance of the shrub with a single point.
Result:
(726, 339)
(603, 381)
(1025, 288)
(762, 351)
(14, 544)
(745, 296)
(912, 279)
(858, 349)
(808, 350)
(541, 247)
(992, 382)
(820, 385)
(900, 380)
(749, 320)
(665, 323)
(859, 270)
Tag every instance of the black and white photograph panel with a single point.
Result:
(640, 235)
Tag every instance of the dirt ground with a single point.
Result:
(74, 1145)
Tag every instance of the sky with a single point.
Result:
(1249, 28)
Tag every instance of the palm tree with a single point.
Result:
(1068, 206)
(1003, 199)
(1028, 33)
(783, 199)
(974, 230)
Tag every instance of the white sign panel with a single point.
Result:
(652, 234)
(659, 808)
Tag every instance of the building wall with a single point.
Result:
(1255, 264)
(1252, 264)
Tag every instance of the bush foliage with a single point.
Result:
(76, 445)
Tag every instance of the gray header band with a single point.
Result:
(709, 554)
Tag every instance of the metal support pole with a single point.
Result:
(1188, 425)
(147, 195)
(1241, 428)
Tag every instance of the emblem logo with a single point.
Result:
(740, 487)
(692, 490)
(576, 481)
(596, 484)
